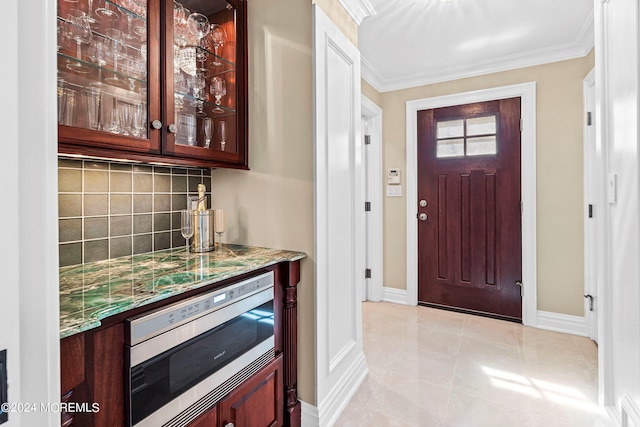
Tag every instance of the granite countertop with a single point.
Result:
(90, 292)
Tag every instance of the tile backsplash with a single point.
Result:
(107, 209)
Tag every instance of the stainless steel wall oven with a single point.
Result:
(184, 358)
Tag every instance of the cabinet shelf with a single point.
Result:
(188, 99)
(98, 74)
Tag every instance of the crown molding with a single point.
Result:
(358, 9)
(577, 49)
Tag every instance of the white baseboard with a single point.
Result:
(393, 295)
(334, 403)
(630, 411)
(310, 416)
(565, 323)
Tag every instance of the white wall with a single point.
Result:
(29, 308)
(9, 287)
(618, 96)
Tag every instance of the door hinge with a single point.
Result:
(367, 206)
(519, 283)
(367, 139)
(589, 122)
(521, 124)
(367, 273)
(590, 301)
(590, 211)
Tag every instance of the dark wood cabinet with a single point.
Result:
(145, 80)
(258, 402)
(208, 419)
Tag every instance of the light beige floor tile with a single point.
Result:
(410, 400)
(490, 352)
(495, 383)
(491, 330)
(430, 367)
(438, 342)
(470, 411)
(436, 368)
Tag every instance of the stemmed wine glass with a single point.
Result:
(107, 13)
(179, 24)
(207, 128)
(115, 41)
(219, 224)
(222, 128)
(79, 30)
(218, 89)
(199, 27)
(186, 226)
(218, 39)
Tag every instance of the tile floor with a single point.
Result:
(437, 368)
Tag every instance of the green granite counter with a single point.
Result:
(93, 291)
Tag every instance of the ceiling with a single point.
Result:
(415, 42)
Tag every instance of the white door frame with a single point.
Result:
(593, 248)
(527, 93)
(339, 219)
(373, 113)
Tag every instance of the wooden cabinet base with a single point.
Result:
(93, 366)
(258, 402)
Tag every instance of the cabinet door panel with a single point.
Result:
(258, 402)
(108, 75)
(204, 65)
(208, 419)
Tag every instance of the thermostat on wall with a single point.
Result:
(393, 176)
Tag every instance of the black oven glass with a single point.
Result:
(161, 379)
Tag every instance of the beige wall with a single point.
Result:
(371, 93)
(559, 175)
(272, 204)
(340, 17)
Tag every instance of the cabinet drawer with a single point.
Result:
(258, 402)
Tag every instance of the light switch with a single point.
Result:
(394, 190)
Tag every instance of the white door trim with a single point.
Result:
(527, 93)
(339, 217)
(373, 113)
(603, 136)
(592, 176)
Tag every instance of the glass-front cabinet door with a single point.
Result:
(205, 67)
(153, 80)
(106, 85)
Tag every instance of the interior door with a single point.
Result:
(469, 214)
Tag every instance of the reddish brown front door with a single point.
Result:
(469, 225)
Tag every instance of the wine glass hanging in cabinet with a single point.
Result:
(153, 80)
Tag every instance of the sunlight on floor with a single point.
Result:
(555, 393)
(436, 368)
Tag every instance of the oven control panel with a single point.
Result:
(148, 325)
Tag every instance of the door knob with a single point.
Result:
(423, 216)
(423, 203)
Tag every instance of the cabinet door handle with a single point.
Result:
(156, 124)
(229, 425)
(173, 128)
